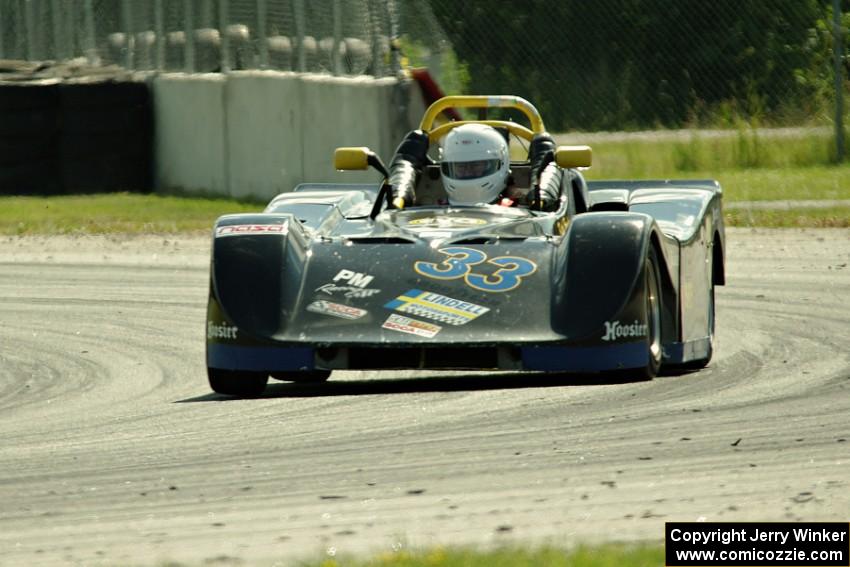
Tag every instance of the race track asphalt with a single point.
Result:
(113, 450)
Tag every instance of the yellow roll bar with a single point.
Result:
(512, 127)
(481, 101)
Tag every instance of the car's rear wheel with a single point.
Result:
(237, 383)
(310, 376)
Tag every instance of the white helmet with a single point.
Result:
(475, 164)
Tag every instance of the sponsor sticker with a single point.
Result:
(253, 229)
(437, 307)
(355, 279)
(350, 284)
(222, 331)
(411, 326)
(347, 291)
(336, 310)
(615, 330)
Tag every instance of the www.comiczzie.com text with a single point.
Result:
(802, 544)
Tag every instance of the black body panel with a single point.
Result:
(314, 282)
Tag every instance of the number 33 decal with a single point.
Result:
(460, 262)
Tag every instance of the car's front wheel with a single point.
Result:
(652, 317)
(237, 383)
(652, 282)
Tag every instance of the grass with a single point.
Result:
(794, 183)
(678, 153)
(835, 217)
(113, 213)
(602, 556)
(151, 214)
(751, 165)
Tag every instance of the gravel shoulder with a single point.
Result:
(116, 453)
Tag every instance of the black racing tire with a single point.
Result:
(28, 95)
(103, 94)
(38, 177)
(29, 123)
(106, 173)
(237, 383)
(16, 150)
(95, 145)
(308, 377)
(128, 121)
(652, 283)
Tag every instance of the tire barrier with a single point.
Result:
(29, 133)
(76, 136)
(105, 141)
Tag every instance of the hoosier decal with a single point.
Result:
(615, 330)
(437, 307)
(411, 326)
(336, 310)
(222, 331)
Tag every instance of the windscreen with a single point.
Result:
(470, 169)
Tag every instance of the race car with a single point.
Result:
(598, 276)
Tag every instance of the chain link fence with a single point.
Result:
(609, 65)
(343, 37)
(637, 64)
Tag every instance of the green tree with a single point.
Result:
(638, 63)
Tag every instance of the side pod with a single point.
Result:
(604, 264)
(255, 260)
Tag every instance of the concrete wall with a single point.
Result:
(260, 133)
(264, 133)
(189, 132)
(342, 111)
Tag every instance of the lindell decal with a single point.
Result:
(437, 307)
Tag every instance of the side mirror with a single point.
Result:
(573, 156)
(353, 159)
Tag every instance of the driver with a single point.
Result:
(475, 165)
(476, 169)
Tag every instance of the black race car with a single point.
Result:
(578, 277)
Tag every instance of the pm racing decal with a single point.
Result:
(462, 262)
(410, 326)
(351, 284)
(336, 310)
(253, 229)
(615, 330)
(437, 307)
